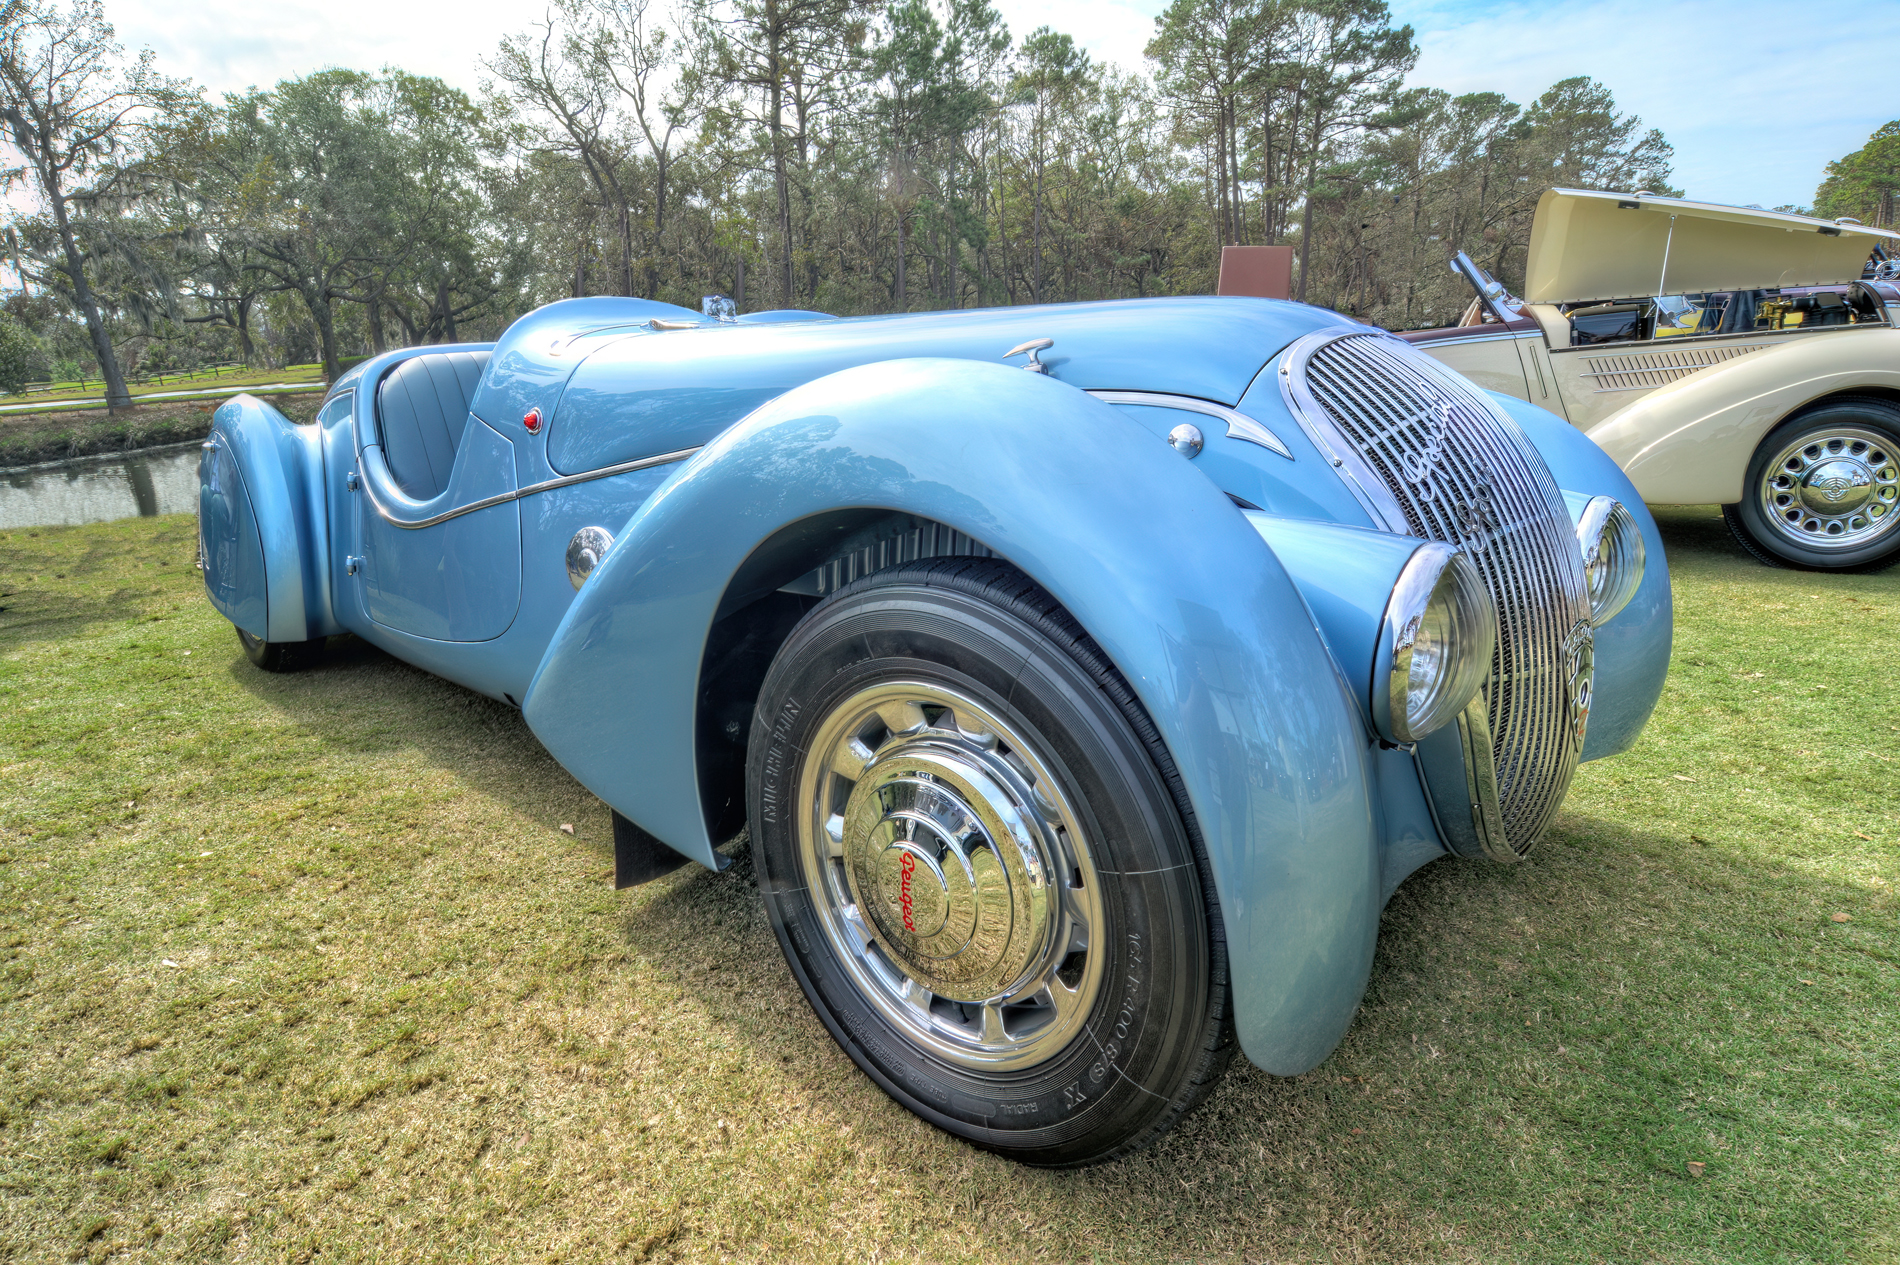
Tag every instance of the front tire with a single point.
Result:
(281, 656)
(1823, 490)
(981, 866)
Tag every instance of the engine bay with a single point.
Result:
(1730, 312)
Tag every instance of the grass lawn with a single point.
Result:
(54, 435)
(237, 380)
(306, 966)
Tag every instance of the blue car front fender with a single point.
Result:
(1150, 557)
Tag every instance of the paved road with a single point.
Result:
(272, 387)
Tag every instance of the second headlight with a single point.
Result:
(1612, 546)
(1436, 644)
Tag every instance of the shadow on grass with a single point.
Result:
(128, 571)
(361, 700)
(1543, 1052)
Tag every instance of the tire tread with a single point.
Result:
(1007, 587)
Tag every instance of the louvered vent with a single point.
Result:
(1462, 472)
(1647, 370)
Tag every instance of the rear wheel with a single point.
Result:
(980, 864)
(1823, 490)
(281, 656)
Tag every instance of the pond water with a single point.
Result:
(99, 489)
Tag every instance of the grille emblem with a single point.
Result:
(1419, 465)
(1580, 670)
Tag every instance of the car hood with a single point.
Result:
(635, 352)
(1596, 246)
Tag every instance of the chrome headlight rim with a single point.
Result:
(1614, 557)
(1439, 597)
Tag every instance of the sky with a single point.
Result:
(1754, 98)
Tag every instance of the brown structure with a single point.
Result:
(1261, 272)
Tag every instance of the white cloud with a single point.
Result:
(228, 46)
(1111, 30)
(1755, 95)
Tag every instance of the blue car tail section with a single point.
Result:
(1153, 560)
(260, 496)
(228, 546)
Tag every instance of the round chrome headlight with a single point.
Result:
(1612, 545)
(1436, 645)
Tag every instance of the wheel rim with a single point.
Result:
(950, 875)
(1833, 490)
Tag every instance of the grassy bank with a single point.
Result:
(235, 380)
(306, 965)
(29, 438)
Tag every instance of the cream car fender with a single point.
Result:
(1689, 443)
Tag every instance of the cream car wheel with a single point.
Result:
(1833, 489)
(1823, 490)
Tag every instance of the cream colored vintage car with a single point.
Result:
(1719, 354)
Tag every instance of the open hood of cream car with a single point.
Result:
(1587, 245)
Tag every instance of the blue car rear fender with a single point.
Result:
(1154, 561)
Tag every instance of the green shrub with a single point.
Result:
(20, 354)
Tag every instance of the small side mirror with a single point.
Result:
(719, 307)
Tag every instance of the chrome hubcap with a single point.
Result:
(950, 875)
(1833, 491)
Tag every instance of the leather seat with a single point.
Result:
(422, 408)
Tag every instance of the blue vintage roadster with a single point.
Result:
(1082, 719)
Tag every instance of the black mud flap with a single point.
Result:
(639, 857)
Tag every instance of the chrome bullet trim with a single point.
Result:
(1187, 440)
(585, 551)
(1239, 425)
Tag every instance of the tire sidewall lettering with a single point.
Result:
(1127, 1039)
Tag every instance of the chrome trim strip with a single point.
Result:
(1496, 336)
(1481, 781)
(1354, 471)
(549, 485)
(1239, 425)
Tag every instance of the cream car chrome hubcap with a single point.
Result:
(1833, 491)
(950, 875)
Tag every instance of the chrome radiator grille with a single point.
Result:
(1437, 461)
